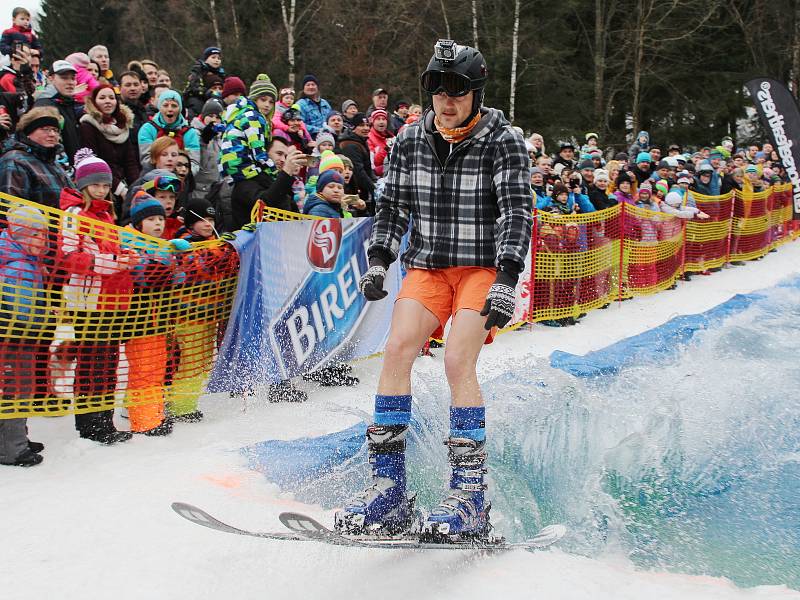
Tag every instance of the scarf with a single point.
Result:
(456, 134)
(111, 131)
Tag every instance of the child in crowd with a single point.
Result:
(83, 77)
(165, 188)
(24, 320)
(194, 95)
(196, 337)
(327, 200)
(97, 294)
(645, 198)
(147, 352)
(20, 32)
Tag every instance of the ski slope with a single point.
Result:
(95, 521)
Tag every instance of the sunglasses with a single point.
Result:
(163, 183)
(452, 84)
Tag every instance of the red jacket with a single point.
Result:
(377, 149)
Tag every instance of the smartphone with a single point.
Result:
(19, 47)
(352, 199)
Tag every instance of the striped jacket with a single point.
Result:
(474, 210)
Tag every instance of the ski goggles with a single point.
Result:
(164, 183)
(452, 84)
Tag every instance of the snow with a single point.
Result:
(94, 521)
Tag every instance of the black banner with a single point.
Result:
(781, 118)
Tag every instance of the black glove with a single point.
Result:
(500, 301)
(371, 282)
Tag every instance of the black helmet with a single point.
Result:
(455, 70)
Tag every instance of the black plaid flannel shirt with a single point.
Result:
(476, 210)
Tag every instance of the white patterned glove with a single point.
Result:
(500, 301)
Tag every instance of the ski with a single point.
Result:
(303, 528)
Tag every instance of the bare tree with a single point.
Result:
(514, 50)
(291, 23)
(475, 24)
(446, 22)
(235, 19)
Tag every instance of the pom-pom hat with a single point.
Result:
(90, 169)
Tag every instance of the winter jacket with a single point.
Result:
(319, 207)
(600, 199)
(210, 142)
(112, 142)
(623, 198)
(672, 206)
(194, 94)
(474, 209)
(549, 204)
(315, 114)
(14, 34)
(377, 144)
(84, 77)
(279, 125)
(30, 171)
(25, 306)
(184, 135)
(139, 118)
(356, 149)
(71, 112)
(243, 149)
(728, 184)
(90, 253)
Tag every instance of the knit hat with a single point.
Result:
(212, 107)
(621, 156)
(674, 199)
(310, 77)
(325, 136)
(197, 210)
(592, 135)
(233, 85)
(211, 79)
(378, 113)
(663, 164)
(715, 153)
(685, 177)
(329, 176)
(211, 50)
(586, 164)
(643, 157)
(622, 177)
(600, 175)
(263, 86)
(705, 168)
(398, 104)
(646, 187)
(751, 169)
(143, 205)
(333, 113)
(661, 186)
(345, 161)
(26, 216)
(360, 119)
(79, 59)
(536, 171)
(347, 104)
(89, 169)
(329, 160)
(170, 95)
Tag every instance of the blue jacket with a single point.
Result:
(181, 129)
(315, 114)
(25, 301)
(584, 204)
(319, 207)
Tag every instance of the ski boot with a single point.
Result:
(383, 508)
(463, 515)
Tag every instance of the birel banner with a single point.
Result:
(780, 116)
(297, 303)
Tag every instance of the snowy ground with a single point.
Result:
(94, 522)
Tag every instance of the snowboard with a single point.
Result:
(302, 528)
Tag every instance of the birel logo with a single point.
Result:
(325, 310)
(323, 246)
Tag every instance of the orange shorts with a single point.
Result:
(446, 291)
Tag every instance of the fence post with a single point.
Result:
(534, 246)
(621, 249)
(730, 228)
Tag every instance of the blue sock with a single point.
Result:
(468, 422)
(392, 410)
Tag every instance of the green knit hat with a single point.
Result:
(328, 160)
(263, 86)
